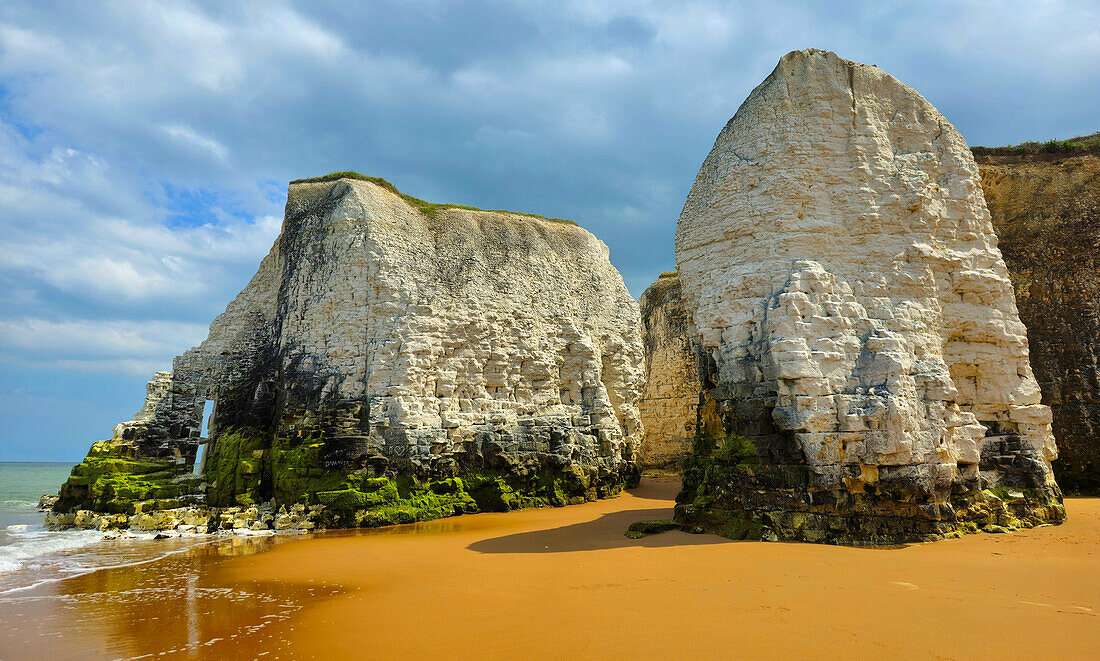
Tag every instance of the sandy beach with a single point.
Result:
(566, 583)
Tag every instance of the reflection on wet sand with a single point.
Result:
(177, 606)
(567, 583)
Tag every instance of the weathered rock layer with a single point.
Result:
(865, 374)
(1046, 210)
(393, 361)
(670, 400)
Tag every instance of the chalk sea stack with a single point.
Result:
(1045, 203)
(864, 374)
(391, 361)
(670, 399)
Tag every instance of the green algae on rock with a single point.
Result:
(759, 495)
(109, 481)
(640, 529)
(388, 363)
(245, 470)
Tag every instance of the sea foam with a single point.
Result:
(25, 546)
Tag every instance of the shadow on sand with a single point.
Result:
(606, 532)
(662, 487)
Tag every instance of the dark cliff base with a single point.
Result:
(744, 499)
(745, 481)
(1045, 202)
(247, 468)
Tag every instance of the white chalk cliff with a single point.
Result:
(387, 338)
(447, 325)
(841, 271)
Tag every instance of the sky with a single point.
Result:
(145, 148)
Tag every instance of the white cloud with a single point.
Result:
(83, 341)
(28, 51)
(192, 139)
(144, 147)
(113, 259)
(695, 27)
(73, 223)
(579, 70)
(289, 29)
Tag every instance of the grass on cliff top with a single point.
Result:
(429, 209)
(1085, 144)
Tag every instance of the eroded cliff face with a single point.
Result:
(866, 374)
(1046, 210)
(670, 399)
(391, 361)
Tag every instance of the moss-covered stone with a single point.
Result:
(109, 481)
(405, 499)
(235, 468)
(362, 498)
(741, 489)
(640, 529)
(245, 468)
(728, 490)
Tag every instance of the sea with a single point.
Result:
(90, 594)
(31, 555)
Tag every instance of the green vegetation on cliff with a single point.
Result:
(430, 209)
(362, 498)
(235, 468)
(716, 477)
(640, 529)
(1086, 144)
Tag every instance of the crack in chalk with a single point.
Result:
(852, 90)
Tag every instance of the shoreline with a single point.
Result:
(566, 583)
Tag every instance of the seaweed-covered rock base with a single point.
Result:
(741, 491)
(259, 483)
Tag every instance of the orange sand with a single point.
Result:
(566, 584)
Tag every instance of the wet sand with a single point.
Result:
(565, 584)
